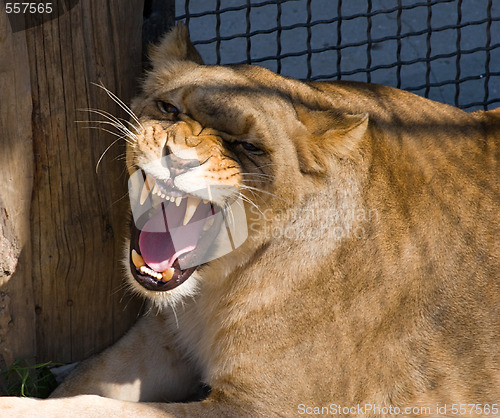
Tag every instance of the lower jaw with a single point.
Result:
(179, 275)
(150, 283)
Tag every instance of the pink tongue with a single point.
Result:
(163, 238)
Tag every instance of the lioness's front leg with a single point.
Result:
(142, 366)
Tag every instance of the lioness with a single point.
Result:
(366, 278)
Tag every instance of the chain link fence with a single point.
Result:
(447, 50)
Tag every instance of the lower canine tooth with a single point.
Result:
(137, 259)
(167, 274)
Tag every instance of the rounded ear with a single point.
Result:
(174, 46)
(329, 132)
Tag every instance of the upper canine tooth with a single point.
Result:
(192, 204)
(178, 201)
(148, 185)
(137, 259)
(150, 181)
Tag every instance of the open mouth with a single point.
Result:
(171, 235)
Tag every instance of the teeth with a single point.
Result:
(148, 185)
(137, 259)
(152, 273)
(192, 204)
(208, 224)
(141, 265)
(167, 274)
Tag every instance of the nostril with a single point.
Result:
(175, 164)
(188, 164)
(165, 156)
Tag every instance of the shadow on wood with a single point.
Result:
(62, 222)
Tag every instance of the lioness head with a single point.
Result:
(211, 140)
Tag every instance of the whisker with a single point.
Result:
(119, 288)
(120, 103)
(105, 151)
(266, 176)
(266, 165)
(120, 158)
(262, 191)
(255, 190)
(228, 211)
(122, 136)
(105, 114)
(249, 201)
(175, 314)
(110, 116)
(119, 199)
(113, 120)
(116, 120)
(250, 181)
(257, 174)
(255, 195)
(107, 122)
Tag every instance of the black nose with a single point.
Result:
(176, 165)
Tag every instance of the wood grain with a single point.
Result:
(62, 223)
(17, 319)
(78, 215)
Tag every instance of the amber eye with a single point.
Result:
(165, 107)
(251, 148)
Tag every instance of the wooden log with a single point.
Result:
(79, 209)
(62, 215)
(17, 316)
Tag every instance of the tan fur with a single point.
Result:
(371, 274)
